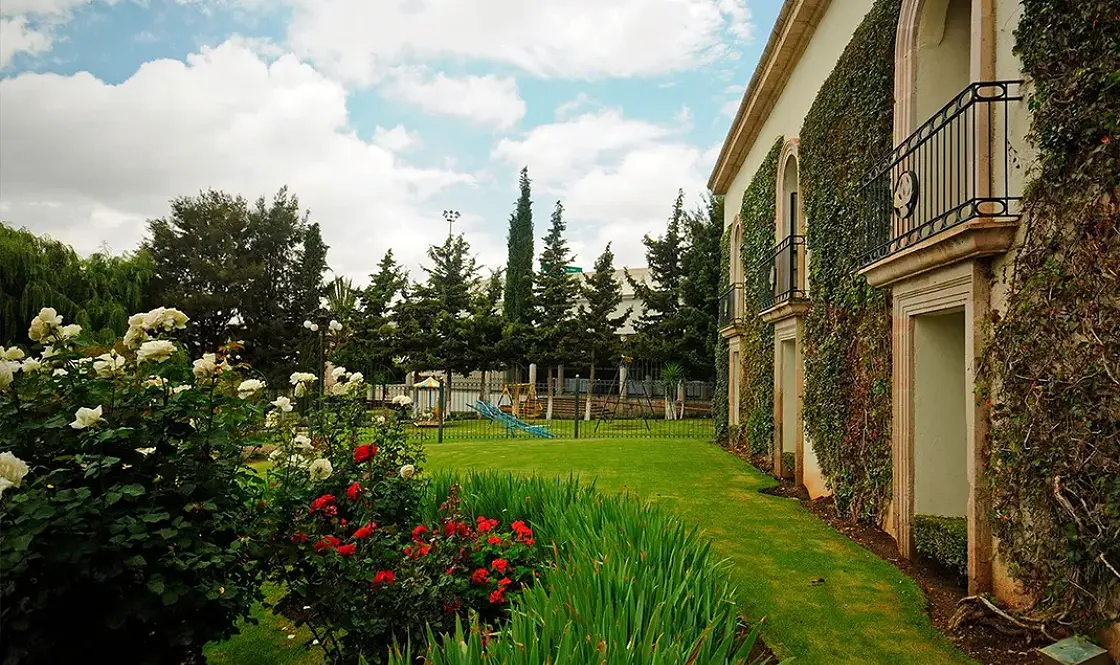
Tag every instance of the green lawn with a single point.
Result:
(865, 612)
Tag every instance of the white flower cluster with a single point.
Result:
(109, 365)
(297, 453)
(141, 327)
(12, 471)
(345, 382)
(402, 400)
(47, 326)
(302, 381)
(249, 387)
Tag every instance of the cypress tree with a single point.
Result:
(517, 302)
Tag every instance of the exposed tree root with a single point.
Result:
(977, 609)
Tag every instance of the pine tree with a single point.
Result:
(597, 319)
(369, 347)
(554, 295)
(517, 304)
(700, 288)
(658, 326)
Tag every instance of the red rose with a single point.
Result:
(485, 525)
(452, 606)
(354, 491)
(408, 551)
(364, 452)
(322, 503)
(365, 532)
(419, 532)
(494, 540)
(325, 544)
(384, 578)
(496, 597)
(528, 542)
(346, 550)
(450, 571)
(298, 537)
(480, 576)
(498, 565)
(503, 583)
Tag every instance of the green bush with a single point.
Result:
(129, 526)
(789, 464)
(630, 584)
(943, 539)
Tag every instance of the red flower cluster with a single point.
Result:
(364, 452)
(347, 550)
(298, 537)
(499, 566)
(497, 596)
(480, 576)
(418, 551)
(451, 528)
(485, 525)
(324, 505)
(494, 540)
(326, 544)
(354, 491)
(524, 533)
(384, 578)
(365, 532)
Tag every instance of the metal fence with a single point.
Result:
(577, 409)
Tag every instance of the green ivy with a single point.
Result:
(943, 539)
(847, 402)
(1051, 371)
(756, 401)
(720, 401)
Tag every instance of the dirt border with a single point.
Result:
(943, 587)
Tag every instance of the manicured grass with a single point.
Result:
(864, 612)
(480, 429)
(267, 643)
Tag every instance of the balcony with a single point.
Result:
(783, 273)
(731, 309)
(944, 194)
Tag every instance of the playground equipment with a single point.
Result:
(523, 402)
(511, 423)
(620, 391)
(429, 417)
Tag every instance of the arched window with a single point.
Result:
(789, 271)
(736, 252)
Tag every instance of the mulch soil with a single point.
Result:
(943, 587)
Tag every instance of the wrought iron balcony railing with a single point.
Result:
(953, 169)
(784, 271)
(731, 306)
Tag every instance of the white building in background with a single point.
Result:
(630, 300)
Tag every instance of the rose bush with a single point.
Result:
(358, 565)
(130, 522)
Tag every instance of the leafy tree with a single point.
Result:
(555, 298)
(700, 286)
(658, 327)
(517, 304)
(369, 346)
(597, 318)
(98, 293)
(240, 272)
(486, 329)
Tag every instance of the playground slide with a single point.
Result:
(496, 415)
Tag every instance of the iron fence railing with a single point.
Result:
(783, 270)
(731, 306)
(954, 168)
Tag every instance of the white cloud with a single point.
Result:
(572, 105)
(617, 176)
(17, 37)
(489, 100)
(397, 139)
(579, 39)
(88, 162)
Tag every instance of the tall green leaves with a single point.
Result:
(98, 293)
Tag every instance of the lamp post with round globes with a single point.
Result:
(450, 216)
(322, 323)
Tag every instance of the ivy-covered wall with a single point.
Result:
(847, 401)
(720, 401)
(1052, 366)
(756, 402)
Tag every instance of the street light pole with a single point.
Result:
(451, 216)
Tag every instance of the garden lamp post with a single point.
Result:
(450, 216)
(321, 322)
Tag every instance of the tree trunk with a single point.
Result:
(680, 400)
(551, 391)
(590, 392)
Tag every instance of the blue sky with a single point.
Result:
(378, 114)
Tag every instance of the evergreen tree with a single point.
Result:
(597, 319)
(485, 330)
(701, 282)
(554, 295)
(369, 346)
(658, 327)
(517, 303)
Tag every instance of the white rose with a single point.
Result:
(5, 374)
(339, 388)
(180, 389)
(31, 365)
(5, 484)
(134, 337)
(59, 372)
(248, 387)
(303, 444)
(108, 365)
(302, 377)
(338, 371)
(155, 382)
(408, 471)
(271, 420)
(13, 353)
(50, 351)
(85, 417)
(356, 379)
(71, 331)
(12, 470)
(320, 469)
(380, 420)
(44, 324)
(282, 403)
(335, 326)
(402, 400)
(156, 350)
(145, 451)
(301, 389)
(206, 366)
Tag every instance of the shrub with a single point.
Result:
(131, 530)
(360, 567)
(629, 583)
(789, 465)
(943, 539)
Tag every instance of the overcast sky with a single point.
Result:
(378, 114)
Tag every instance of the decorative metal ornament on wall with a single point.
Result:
(905, 194)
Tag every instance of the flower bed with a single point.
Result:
(625, 582)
